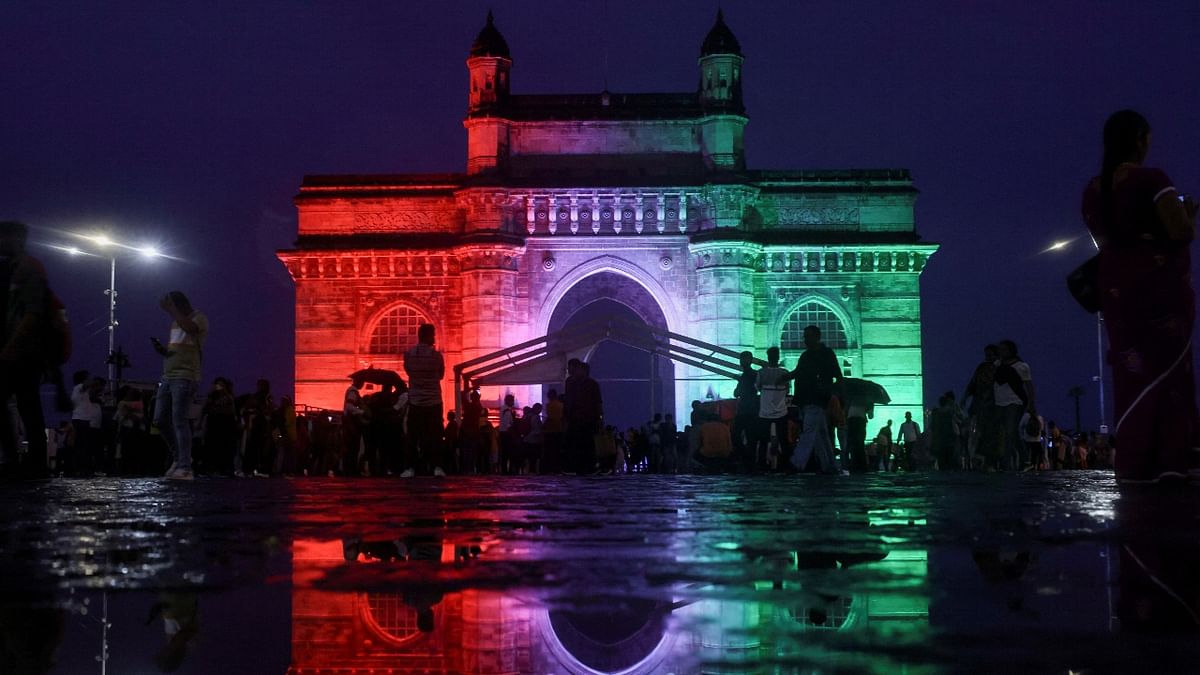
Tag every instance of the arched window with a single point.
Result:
(833, 333)
(391, 617)
(395, 331)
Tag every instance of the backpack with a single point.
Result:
(1006, 374)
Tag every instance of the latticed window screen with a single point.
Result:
(392, 616)
(833, 333)
(396, 331)
(833, 615)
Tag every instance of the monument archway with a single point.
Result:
(634, 383)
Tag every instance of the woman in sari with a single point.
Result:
(1143, 228)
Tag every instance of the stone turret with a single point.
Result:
(489, 64)
(723, 128)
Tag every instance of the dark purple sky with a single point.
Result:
(193, 123)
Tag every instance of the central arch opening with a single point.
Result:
(634, 384)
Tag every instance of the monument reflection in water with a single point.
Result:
(422, 615)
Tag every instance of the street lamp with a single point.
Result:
(1099, 376)
(111, 249)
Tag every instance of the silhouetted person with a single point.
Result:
(984, 439)
(180, 613)
(772, 383)
(425, 368)
(88, 419)
(552, 449)
(944, 433)
(1014, 394)
(507, 429)
(667, 440)
(381, 434)
(857, 414)
(450, 441)
(534, 439)
(584, 410)
(817, 371)
(354, 412)
(1144, 283)
(745, 422)
(220, 426)
(473, 451)
(25, 302)
(258, 410)
(910, 435)
(181, 374)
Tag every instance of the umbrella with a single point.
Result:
(378, 376)
(864, 392)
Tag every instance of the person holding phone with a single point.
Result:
(182, 356)
(1144, 231)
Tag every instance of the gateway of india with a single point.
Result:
(587, 219)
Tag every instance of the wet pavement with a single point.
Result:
(919, 573)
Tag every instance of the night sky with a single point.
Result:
(191, 125)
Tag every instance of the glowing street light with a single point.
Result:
(111, 247)
(1099, 376)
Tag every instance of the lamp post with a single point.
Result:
(111, 248)
(1098, 378)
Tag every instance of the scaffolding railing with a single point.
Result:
(583, 336)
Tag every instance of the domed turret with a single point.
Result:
(487, 133)
(721, 97)
(489, 64)
(720, 40)
(721, 68)
(490, 42)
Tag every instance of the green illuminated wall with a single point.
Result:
(817, 238)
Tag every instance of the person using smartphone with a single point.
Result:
(1144, 231)
(182, 356)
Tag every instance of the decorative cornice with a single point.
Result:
(809, 260)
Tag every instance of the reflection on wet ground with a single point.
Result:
(633, 574)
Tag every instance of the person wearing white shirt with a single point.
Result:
(1014, 395)
(86, 418)
(773, 384)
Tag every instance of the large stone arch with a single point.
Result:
(562, 656)
(599, 265)
(610, 279)
(610, 286)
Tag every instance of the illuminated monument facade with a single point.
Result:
(575, 204)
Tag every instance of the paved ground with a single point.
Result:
(920, 573)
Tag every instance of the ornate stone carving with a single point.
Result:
(405, 221)
(727, 203)
(817, 216)
(549, 264)
(666, 262)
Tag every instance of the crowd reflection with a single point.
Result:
(408, 603)
(912, 587)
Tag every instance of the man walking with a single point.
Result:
(24, 302)
(1014, 396)
(354, 413)
(426, 368)
(772, 383)
(815, 374)
(181, 372)
(910, 434)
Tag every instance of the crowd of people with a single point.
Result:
(809, 418)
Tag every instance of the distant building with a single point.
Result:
(644, 200)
